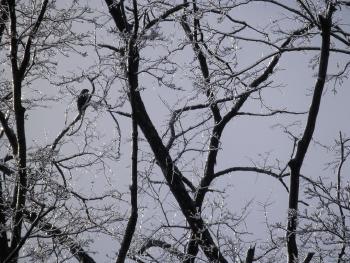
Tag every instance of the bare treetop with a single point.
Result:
(174, 131)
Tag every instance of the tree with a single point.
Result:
(205, 64)
(34, 186)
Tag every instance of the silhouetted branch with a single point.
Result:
(131, 226)
(250, 255)
(308, 257)
(62, 238)
(296, 163)
(165, 15)
(161, 244)
(9, 132)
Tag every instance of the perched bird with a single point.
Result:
(83, 99)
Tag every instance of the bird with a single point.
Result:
(82, 100)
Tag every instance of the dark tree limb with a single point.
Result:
(171, 173)
(250, 255)
(308, 257)
(193, 37)
(9, 132)
(31, 36)
(131, 226)
(116, 9)
(115, 49)
(165, 15)
(296, 163)
(65, 131)
(218, 129)
(161, 244)
(20, 188)
(248, 169)
(174, 179)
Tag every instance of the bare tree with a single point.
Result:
(187, 74)
(38, 206)
(128, 24)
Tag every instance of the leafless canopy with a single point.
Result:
(226, 116)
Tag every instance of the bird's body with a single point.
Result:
(83, 98)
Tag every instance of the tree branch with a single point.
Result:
(63, 239)
(165, 15)
(296, 163)
(118, 14)
(209, 175)
(131, 226)
(10, 134)
(308, 257)
(31, 36)
(19, 191)
(161, 244)
(250, 255)
(170, 171)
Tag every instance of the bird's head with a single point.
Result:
(84, 91)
